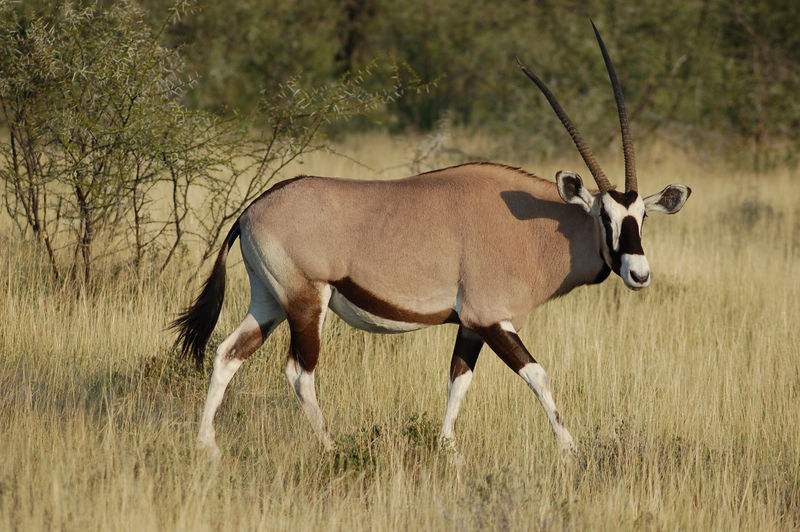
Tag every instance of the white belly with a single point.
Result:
(361, 319)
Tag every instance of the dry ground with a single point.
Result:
(684, 398)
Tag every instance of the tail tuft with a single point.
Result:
(195, 324)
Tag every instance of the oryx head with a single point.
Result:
(620, 214)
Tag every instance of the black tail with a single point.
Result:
(195, 324)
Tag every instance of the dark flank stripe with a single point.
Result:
(366, 300)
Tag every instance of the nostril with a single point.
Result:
(640, 278)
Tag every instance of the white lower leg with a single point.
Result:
(302, 383)
(224, 370)
(536, 378)
(456, 390)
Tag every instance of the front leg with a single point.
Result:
(503, 339)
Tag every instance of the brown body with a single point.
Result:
(479, 244)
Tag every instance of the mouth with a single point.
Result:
(635, 272)
(635, 284)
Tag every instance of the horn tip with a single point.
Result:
(596, 31)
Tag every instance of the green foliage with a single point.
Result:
(102, 148)
(422, 432)
(356, 453)
(363, 452)
(92, 103)
(108, 135)
(706, 74)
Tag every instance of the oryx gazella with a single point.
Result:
(479, 245)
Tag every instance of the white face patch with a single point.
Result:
(625, 251)
(617, 212)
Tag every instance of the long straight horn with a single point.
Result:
(586, 152)
(627, 140)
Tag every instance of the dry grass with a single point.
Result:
(684, 398)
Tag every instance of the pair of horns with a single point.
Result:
(586, 152)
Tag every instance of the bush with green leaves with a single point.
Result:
(96, 130)
(102, 149)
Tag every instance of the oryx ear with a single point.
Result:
(669, 201)
(571, 189)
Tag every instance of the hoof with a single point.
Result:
(447, 444)
(448, 447)
(327, 442)
(569, 453)
(456, 459)
(211, 450)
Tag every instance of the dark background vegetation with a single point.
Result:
(719, 72)
(105, 105)
(725, 72)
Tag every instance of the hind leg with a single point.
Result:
(263, 315)
(465, 354)
(306, 316)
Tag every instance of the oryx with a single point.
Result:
(479, 245)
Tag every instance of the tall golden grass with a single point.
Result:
(684, 398)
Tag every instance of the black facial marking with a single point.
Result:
(639, 278)
(606, 220)
(615, 256)
(626, 199)
(630, 241)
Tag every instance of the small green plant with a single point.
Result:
(421, 432)
(356, 453)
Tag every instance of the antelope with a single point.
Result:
(479, 245)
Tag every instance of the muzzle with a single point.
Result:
(635, 271)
